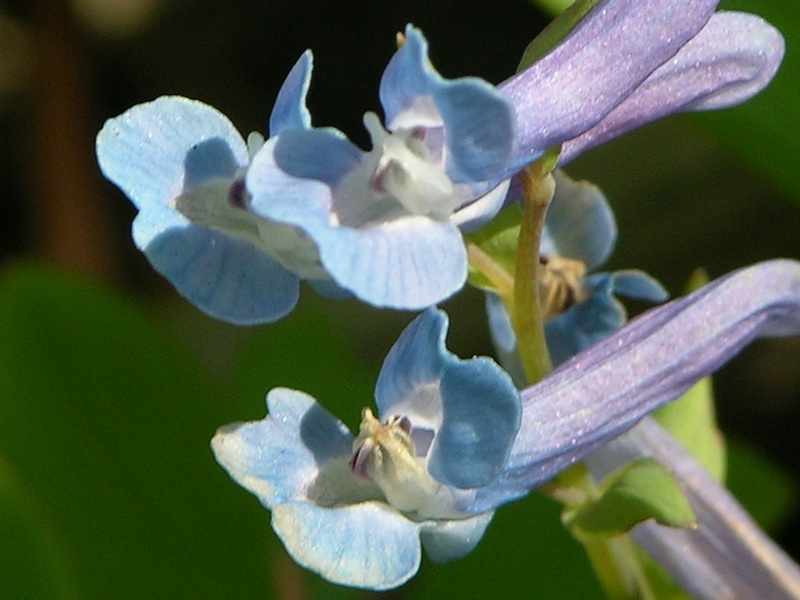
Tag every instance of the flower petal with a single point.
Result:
(144, 150)
(606, 389)
(278, 457)
(368, 545)
(479, 121)
(602, 60)
(225, 277)
(321, 154)
(481, 417)
(447, 540)
(731, 59)
(158, 150)
(579, 223)
(727, 555)
(409, 379)
(289, 111)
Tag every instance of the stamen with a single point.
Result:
(385, 453)
(560, 280)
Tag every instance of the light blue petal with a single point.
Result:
(321, 154)
(482, 411)
(602, 60)
(409, 263)
(144, 151)
(416, 360)
(580, 223)
(278, 457)
(225, 277)
(479, 121)
(368, 545)
(289, 111)
(586, 323)
(605, 390)
(158, 150)
(479, 212)
(731, 59)
(727, 555)
(208, 160)
(447, 540)
(638, 284)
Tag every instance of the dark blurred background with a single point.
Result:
(688, 192)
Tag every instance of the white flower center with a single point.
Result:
(385, 453)
(405, 169)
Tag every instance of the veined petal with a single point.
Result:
(447, 540)
(479, 121)
(579, 223)
(409, 263)
(226, 277)
(368, 545)
(289, 110)
(731, 59)
(278, 457)
(608, 54)
(481, 416)
(144, 150)
(605, 390)
(159, 150)
(726, 555)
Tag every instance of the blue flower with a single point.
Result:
(182, 165)
(355, 510)
(384, 224)
(579, 309)
(437, 463)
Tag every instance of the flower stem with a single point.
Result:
(501, 280)
(538, 186)
(614, 559)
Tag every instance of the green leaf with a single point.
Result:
(107, 419)
(35, 564)
(556, 31)
(498, 241)
(639, 491)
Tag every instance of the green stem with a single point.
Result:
(526, 309)
(618, 568)
(615, 559)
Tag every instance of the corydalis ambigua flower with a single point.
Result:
(298, 460)
(384, 224)
(356, 510)
(182, 164)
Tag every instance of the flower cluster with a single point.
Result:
(236, 224)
